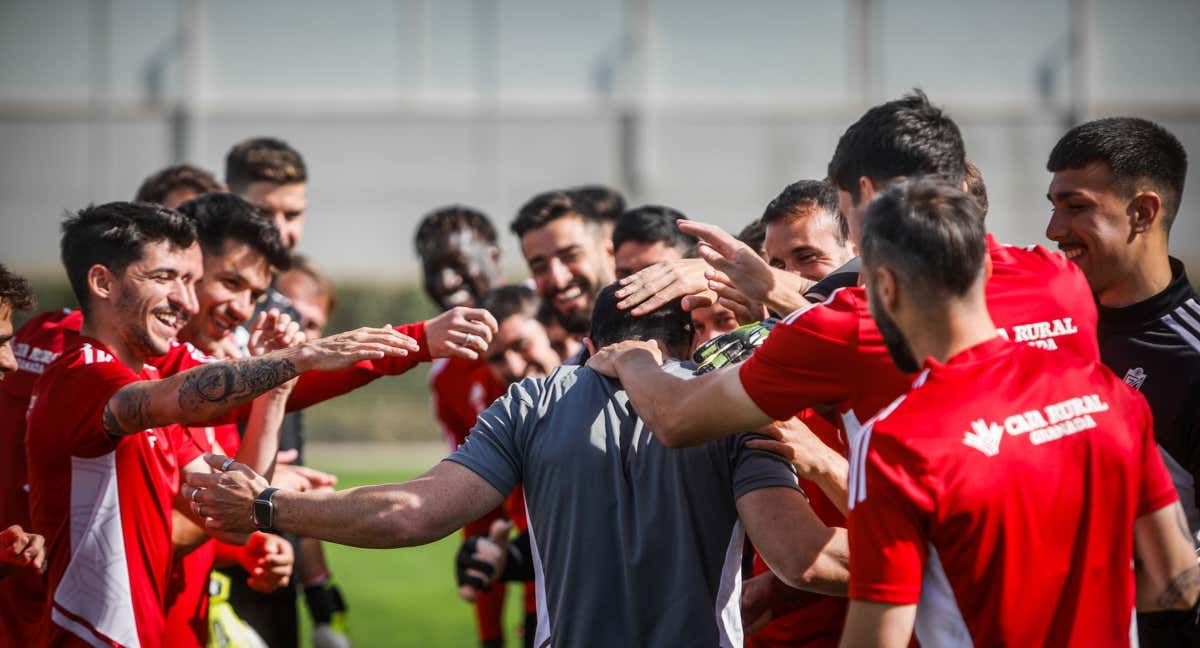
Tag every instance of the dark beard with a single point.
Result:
(893, 339)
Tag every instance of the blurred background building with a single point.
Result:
(403, 105)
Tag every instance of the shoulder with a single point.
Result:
(840, 314)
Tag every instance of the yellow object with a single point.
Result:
(225, 628)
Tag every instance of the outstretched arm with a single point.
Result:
(206, 392)
(679, 411)
(416, 512)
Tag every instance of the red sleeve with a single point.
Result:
(226, 554)
(318, 386)
(87, 388)
(180, 358)
(804, 362)
(1156, 489)
(189, 443)
(887, 527)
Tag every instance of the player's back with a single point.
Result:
(1025, 471)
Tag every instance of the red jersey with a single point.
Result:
(187, 588)
(999, 494)
(831, 356)
(38, 343)
(461, 389)
(103, 503)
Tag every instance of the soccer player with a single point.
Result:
(273, 177)
(831, 356)
(633, 543)
(1006, 515)
(604, 203)
(568, 255)
(102, 469)
(1116, 191)
(176, 185)
(647, 235)
(17, 613)
(460, 263)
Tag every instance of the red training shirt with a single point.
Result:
(999, 494)
(36, 344)
(103, 503)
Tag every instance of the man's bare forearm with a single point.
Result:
(197, 395)
(831, 478)
(261, 441)
(373, 517)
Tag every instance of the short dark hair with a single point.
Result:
(156, 187)
(15, 291)
(1135, 150)
(263, 159)
(653, 224)
(807, 194)
(114, 235)
(931, 232)
(669, 323)
(904, 137)
(754, 235)
(606, 203)
(975, 186)
(223, 217)
(445, 220)
(546, 208)
(506, 301)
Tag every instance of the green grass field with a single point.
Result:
(406, 597)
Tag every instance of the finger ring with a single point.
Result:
(195, 492)
(226, 464)
(467, 339)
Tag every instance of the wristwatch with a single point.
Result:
(263, 513)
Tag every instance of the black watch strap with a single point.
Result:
(263, 513)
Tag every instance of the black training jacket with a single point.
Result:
(1155, 346)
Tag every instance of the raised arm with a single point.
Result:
(794, 542)
(207, 392)
(416, 512)
(740, 269)
(680, 412)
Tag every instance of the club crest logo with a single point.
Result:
(984, 437)
(1135, 377)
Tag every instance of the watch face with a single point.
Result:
(261, 514)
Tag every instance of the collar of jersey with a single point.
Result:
(982, 352)
(1137, 315)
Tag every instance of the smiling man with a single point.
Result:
(103, 473)
(568, 255)
(1116, 191)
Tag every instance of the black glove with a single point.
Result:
(517, 567)
(325, 602)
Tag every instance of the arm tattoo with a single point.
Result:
(1177, 594)
(233, 382)
(126, 412)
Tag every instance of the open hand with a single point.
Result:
(663, 282)
(460, 332)
(345, 349)
(301, 478)
(272, 331)
(794, 441)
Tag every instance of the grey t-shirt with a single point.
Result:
(634, 544)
